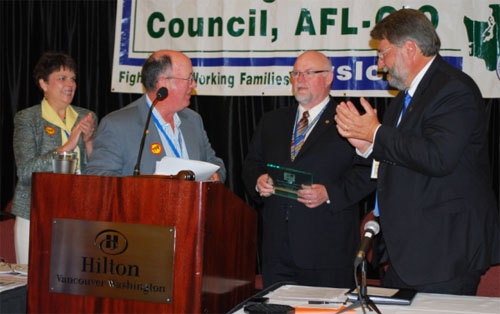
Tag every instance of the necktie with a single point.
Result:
(300, 134)
(407, 102)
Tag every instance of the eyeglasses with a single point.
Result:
(306, 74)
(189, 79)
(381, 54)
(14, 268)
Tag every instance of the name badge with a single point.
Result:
(374, 173)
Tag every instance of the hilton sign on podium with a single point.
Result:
(109, 259)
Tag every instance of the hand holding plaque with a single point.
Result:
(265, 185)
(288, 181)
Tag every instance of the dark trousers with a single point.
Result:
(466, 284)
(280, 267)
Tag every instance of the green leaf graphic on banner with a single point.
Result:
(484, 41)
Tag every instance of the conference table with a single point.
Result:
(423, 303)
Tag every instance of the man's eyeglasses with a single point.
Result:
(306, 74)
(189, 79)
(381, 54)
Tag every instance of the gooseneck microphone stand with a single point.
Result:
(363, 299)
(160, 95)
(371, 228)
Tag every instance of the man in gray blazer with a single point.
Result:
(174, 129)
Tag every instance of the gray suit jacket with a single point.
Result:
(116, 145)
(33, 147)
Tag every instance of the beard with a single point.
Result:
(304, 98)
(398, 75)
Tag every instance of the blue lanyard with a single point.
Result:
(170, 143)
(67, 137)
(297, 140)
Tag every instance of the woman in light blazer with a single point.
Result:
(53, 125)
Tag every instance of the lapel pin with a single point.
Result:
(50, 130)
(156, 148)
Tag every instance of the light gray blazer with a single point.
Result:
(116, 145)
(33, 147)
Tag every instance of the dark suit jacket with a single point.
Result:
(116, 145)
(326, 236)
(438, 214)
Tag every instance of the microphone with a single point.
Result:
(372, 228)
(160, 95)
(185, 175)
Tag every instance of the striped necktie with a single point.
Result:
(300, 134)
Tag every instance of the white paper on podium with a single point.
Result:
(171, 166)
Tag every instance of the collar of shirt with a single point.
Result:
(314, 112)
(411, 91)
(175, 136)
(157, 115)
(418, 78)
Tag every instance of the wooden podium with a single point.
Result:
(215, 243)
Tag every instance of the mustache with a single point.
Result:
(300, 86)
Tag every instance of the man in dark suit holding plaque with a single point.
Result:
(437, 212)
(313, 239)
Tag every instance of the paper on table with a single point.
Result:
(171, 166)
(6, 268)
(382, 292)
(322, 309)
(381, 295)
(11, 281)
(309, 293)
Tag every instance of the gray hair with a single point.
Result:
(408, 24)
(328, 64)
(153, 68)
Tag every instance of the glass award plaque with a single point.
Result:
(288, 181)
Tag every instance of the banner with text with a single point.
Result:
(249, 47)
